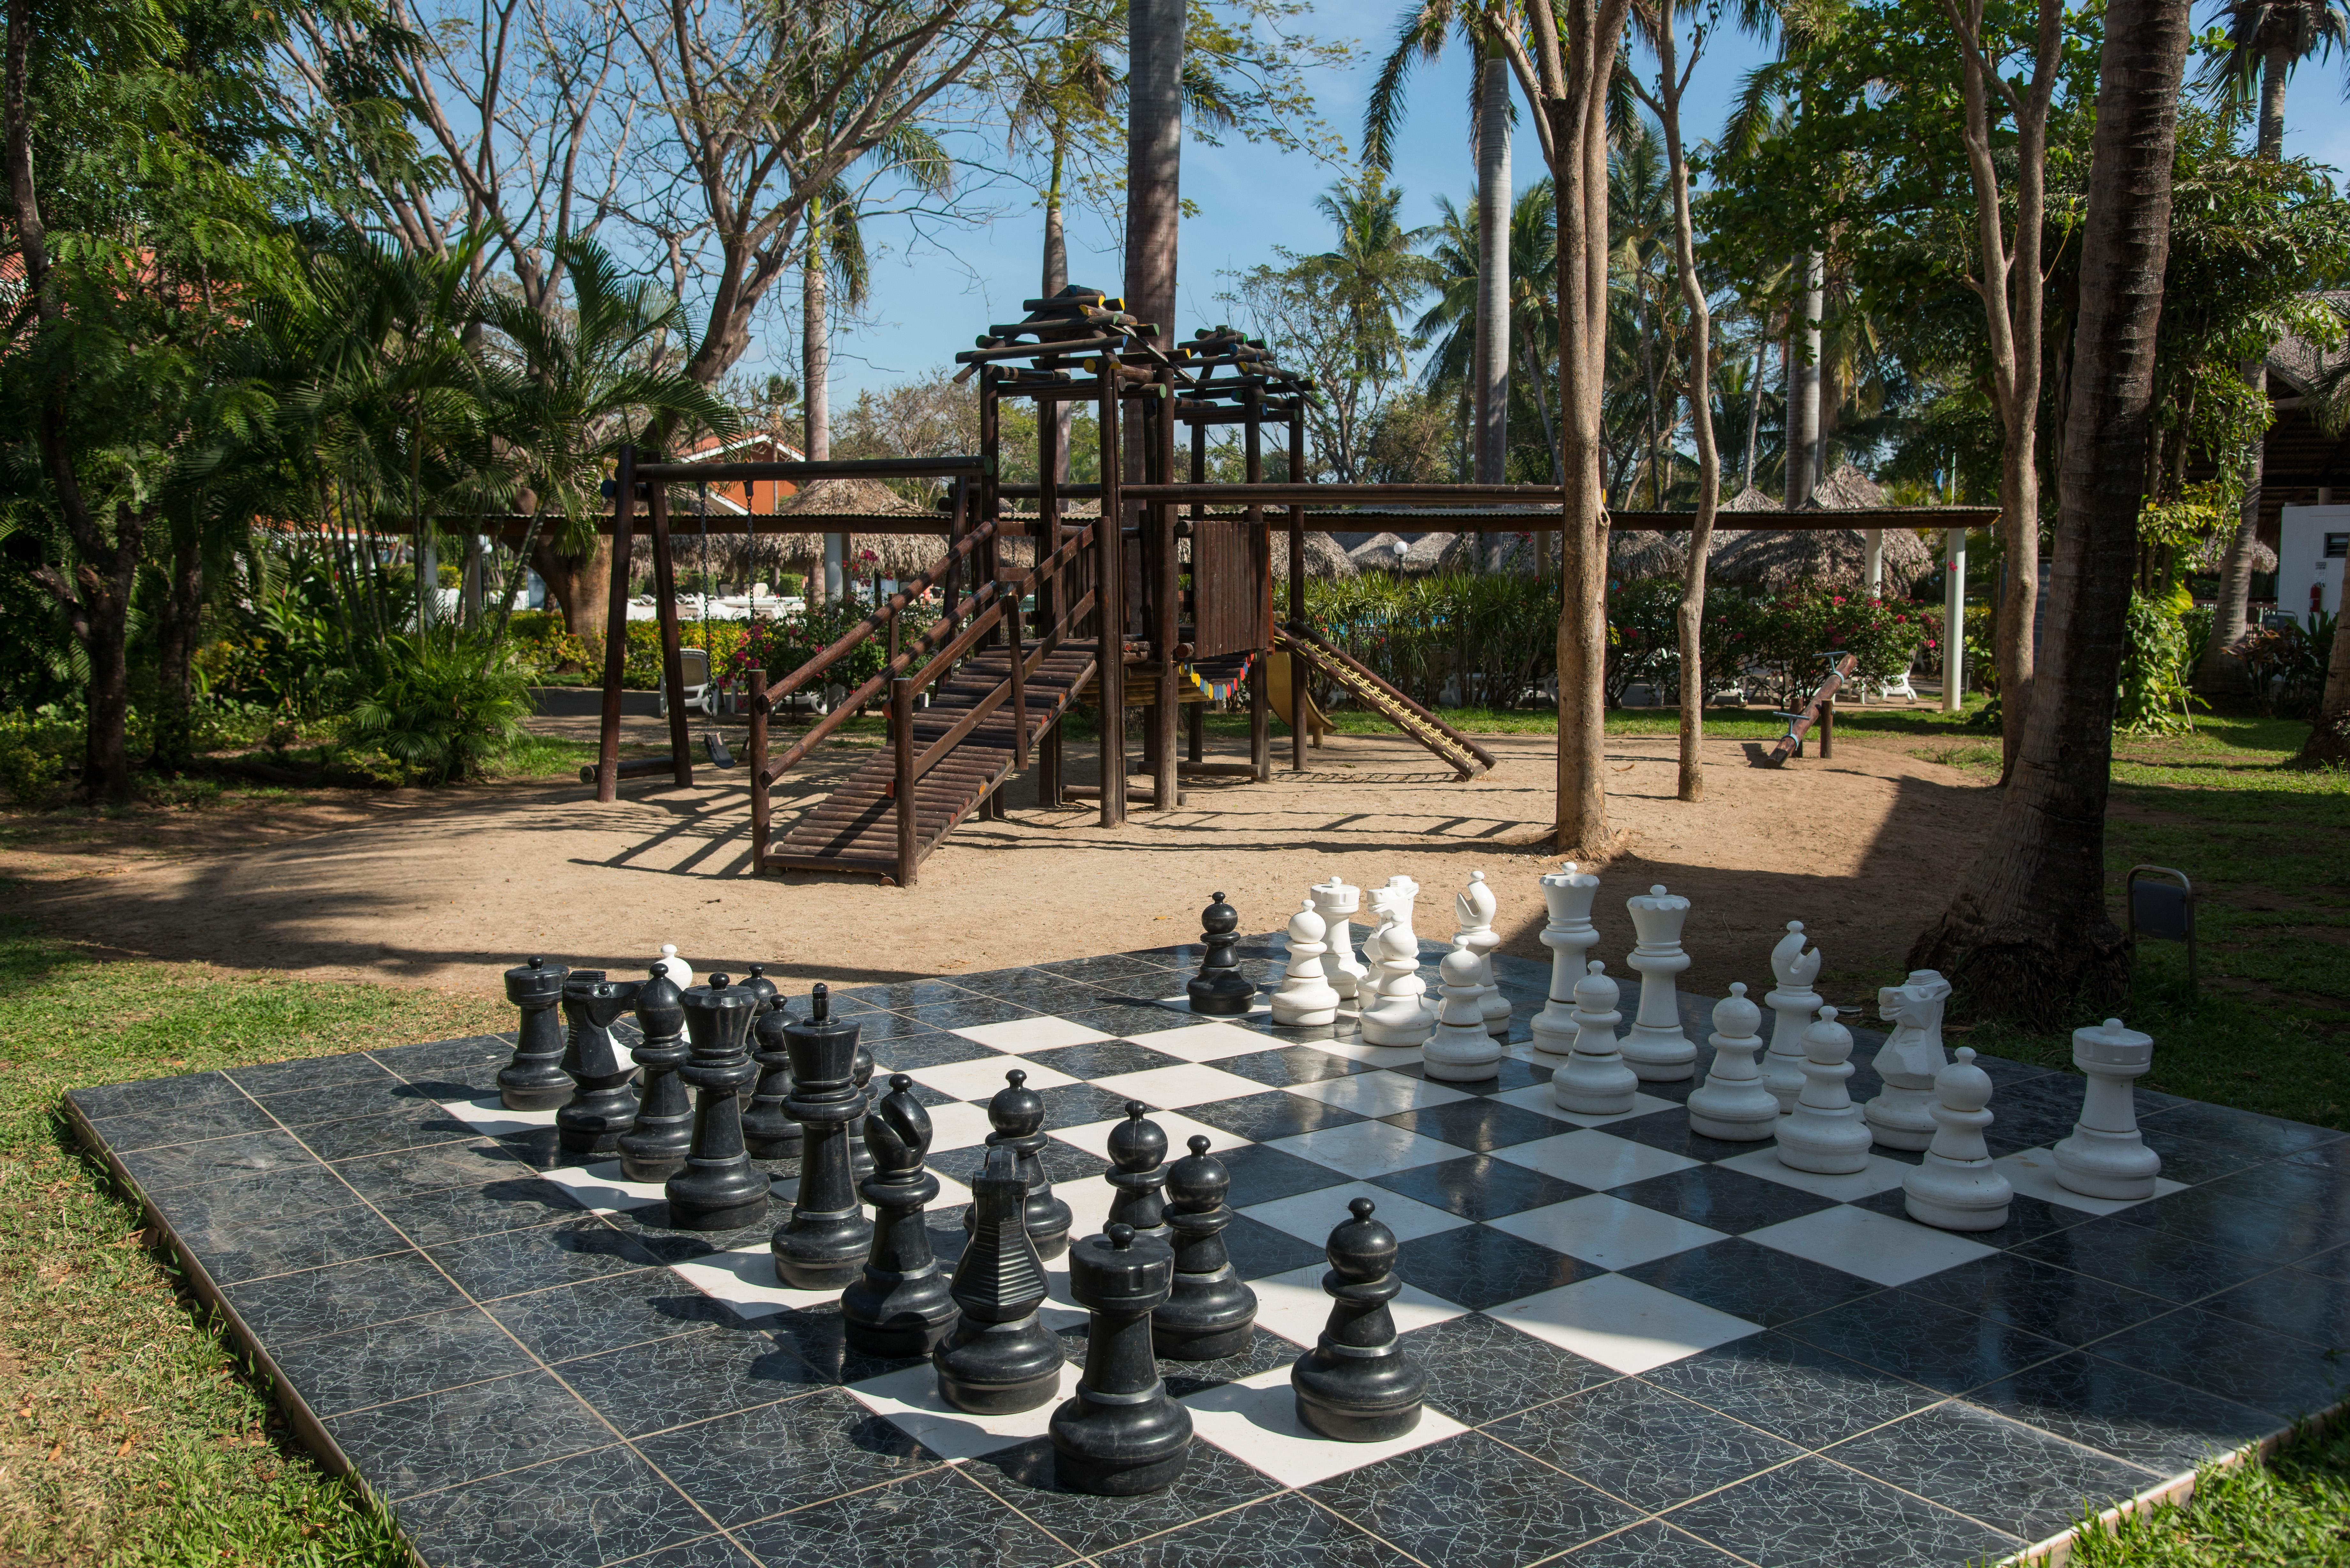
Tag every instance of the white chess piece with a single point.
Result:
(678, 972)
(1902, 1115)
(1595, 1082)
(1660, 1052)
(1475, 910)
(1733, 1105)
(1956, 1187)
(1824, 1133)
(1570, 936)
(2107, 1156)
(1336, 903)
(1307, 995)
(1793, 1006)
(1461, 1050)
(1400, 1014)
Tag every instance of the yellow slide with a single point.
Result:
(1278, 679)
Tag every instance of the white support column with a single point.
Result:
(1873, 539)
(1954, 620)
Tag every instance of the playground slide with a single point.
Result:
(1279, 681)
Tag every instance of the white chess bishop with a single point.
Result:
(1307, 996)
(1399, 1015)
(1461, 1050)
(1336, 903)
(1595, 1082)
(2107, 1156)
(1657, 1048)
(1570, 936)
(1824, 1133)
(1733, 1105)
(1475, 910)
(1956, 1186)
(1902, 1115)
(678, 972)
(1793, 1007)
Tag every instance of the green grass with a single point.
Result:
(2292, 1511)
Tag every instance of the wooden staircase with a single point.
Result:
(855, 828)
(1449, 745)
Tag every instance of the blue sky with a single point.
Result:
(932, 292)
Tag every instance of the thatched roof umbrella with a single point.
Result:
(1777, 559)
(893, 554)
(1426, 555)
(1638, 553)
(1015, 546)
(1323, 558)
(1379, 552)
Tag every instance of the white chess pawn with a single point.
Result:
(1824, 1133)
(1733, 1105)
(1793, 1005)
(1475, 909)
(1400, 1014)
(1902, 1115)
(1570, 936)
(1337, 902)
(680, 972)
(2106, 1157)
(1956, 1187)
(1307, 995)
(1595, 1082)
(1461, 1050)
(1660, 1052)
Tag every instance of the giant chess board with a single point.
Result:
(1642, 1345)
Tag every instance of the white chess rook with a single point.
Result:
(1902, 1115)
(1336, 903)
(1461, 1050)
(1570, 936)
(1733, 1105)
(1793, 1006)
(1956, 1187)
(2106, 1157)
(1307, 995)
(1475, 909)
(1595, 1082)
(1657, 1048)
(1824, 1133)
(1399, 1015)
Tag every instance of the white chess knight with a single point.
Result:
(1399, 1015)
(1336, 903)
(1595, 1082)
(1475, 910)
(1570, 936)
(1956, 1187)
(1793, 1006)
(1657, 1048)
(1461, 1050)
(1307, 995)
(1732, 1104)
(1824, 1133)
(2107, 1156)
(1902, 1115)
(678, 972)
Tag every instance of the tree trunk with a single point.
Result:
(2329, 737)
(1803, 410)
(1753, 419)
(2274, 68)
(1056, 278)
(1154, 178)
(815, 396)
(179, 630)
(2232, 618)
(2028, 935)
(1492, 351)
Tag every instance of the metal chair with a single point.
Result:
(2163, 910)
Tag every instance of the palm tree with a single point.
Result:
(1373, 274)
(1154, 164)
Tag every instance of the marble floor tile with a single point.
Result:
(462, 1433)
(1174, 1088)
(935, 1048)
(1023, 1475)
(264, 1079)
(743, 1277)
(1730, 1201)
(1797, 1391)
(908, 1401)
(688, 1377)
(510, 1262)
(1312, 1216)
(399, 1360)
(1472, 1502)
(1650, 1545)
(455, 1213)
(2297, 1302)
(1094, 1137)
(1271, 1114)
(2248, 1131)
(708, 1552)
(238, 1157)
(980, 1079)
(2281, 1214)
(2131, 1255)
(1483, 1125)
(2166, 1426)
(940, 1518)
(1634, 1440)
(1257, 1250)
(1289, 1065)
(972, 1013)
(408, 1127)
(194, 1124)
(1129, 1018)
(1881, 1176)
(1924, 1341)
(153, 1096)
(1294, 1306)
(1365, 1149)
(1117, 971)
(1283, 1531)
(1479, 1187)
(587, 1509)
(1266, 1352)
(1255, 1420)
(1622, 1323)
(2010, 1476)
(232, 1253)
(1872, 1246)
(1261, 1175)
(2032, 1173)
(286, 1309)
(2054, 1303)
(380, 1177)
(1815, 1514)
(1206, 1042)
(1593, 1158)
(1102, 1058)
(1479, 1371)
(1605, 1230)
(336, 1102)
(1669, 1129)
(754, 1463)
(1079, 1105)
(2287, 1377)
(1483, 1266)
(1379, 1094)
(1759, 1284)
(605, 1314)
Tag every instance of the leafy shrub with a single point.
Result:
(537, 639)
(442, 706)
(36, 751)
(1791, 636)
(1492, 636)
(2288, 664)
(2154, 696)
(1643, 636)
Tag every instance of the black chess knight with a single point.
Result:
(592, 1121)
(902, 1305)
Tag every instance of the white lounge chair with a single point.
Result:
(693, 674)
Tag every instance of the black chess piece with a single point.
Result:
(655, 1149)
(860, 1157)
(903, 1303)
(1000, 1358)
(1210, 1313)
(823, 1245)
(1357, 1384)
(1138, 1157)
(1220, 989)
(605, 1106)
(534, 1080)
(768, 1130)
(1017, 1114)
(717, 1190)
(1119, 1435)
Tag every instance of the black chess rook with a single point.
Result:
(1220, 989)
(655, 1149)
(903, 1303)
(1209, 1314)
(592, 1120)
(823, 1245)
(718, 1189)
(1357, 1384)
(534, 1080)
(1119, 1435)
(1001, 1358)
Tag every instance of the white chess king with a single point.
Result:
(2107, 1156)
(1657, 1048)
(1902, 1115)
(1793, 1007)
(1570, 936)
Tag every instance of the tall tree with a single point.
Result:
(2028, 935)
(1154, 162)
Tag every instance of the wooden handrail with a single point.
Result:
(1306, 634)
(986, 597)
(889, 611)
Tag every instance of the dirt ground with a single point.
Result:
(445, 889)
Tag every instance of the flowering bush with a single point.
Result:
(1791, 636)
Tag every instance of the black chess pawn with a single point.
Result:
(605, 1106)
(1220, 989)
(1210, 1313)
(534, 1080)
(1357, 1384)
(1119, 1435)
(903, 1303)
(1017, 1114)
(823, 1245)
(1138, 1158)
(768, 1130)
(655, 1149)
(860, 1157)
(717, 1190)
(1000, 1358)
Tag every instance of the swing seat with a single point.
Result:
(694, 676)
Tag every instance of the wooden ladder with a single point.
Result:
(1462, 754)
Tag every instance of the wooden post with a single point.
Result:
(616, 626)
(756, 683)
(1827, 729)
(1110, 604)
(1047, 532)
(1261, 563)
(1165, 609)
(1194, 729)
(956, 524)
(1012, 641)
(1260, 721)
(1297, 726)
(990, 434)
(902, 737)
(1048, 769)
(673, 662)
